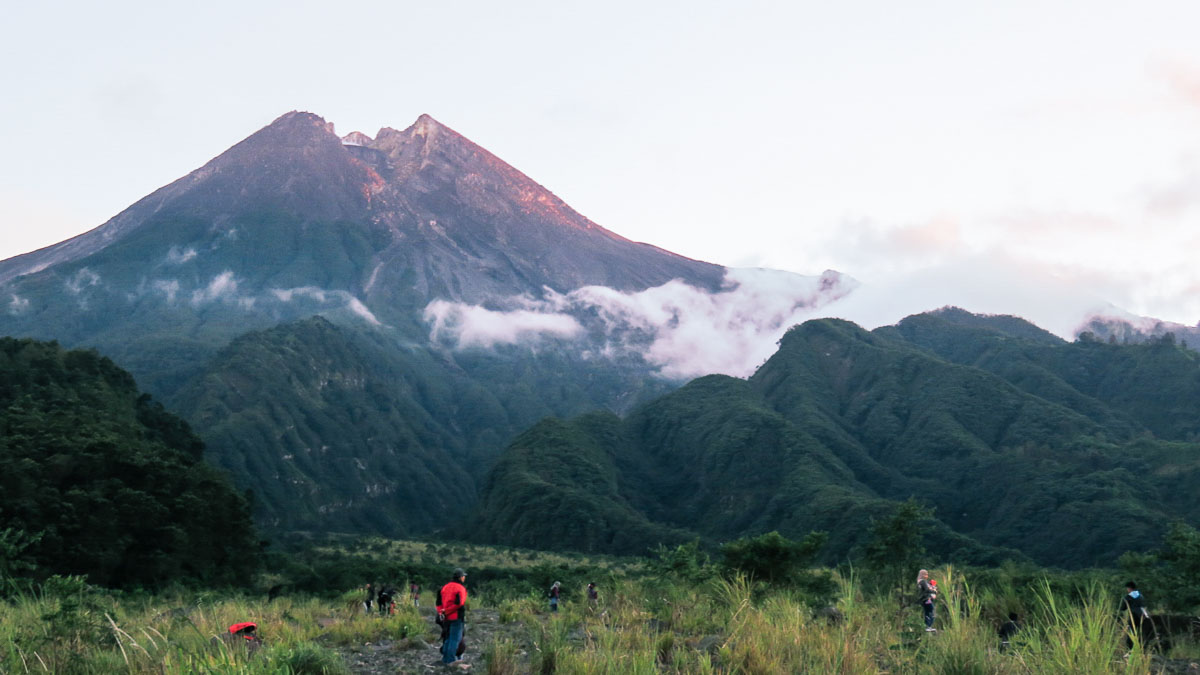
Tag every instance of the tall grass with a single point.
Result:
(642, 625)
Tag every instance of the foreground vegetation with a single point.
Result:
(756, 609)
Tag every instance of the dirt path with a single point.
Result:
(421, 655)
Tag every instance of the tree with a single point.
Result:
(771, 557)
(97, 479)
(897, 546)
(685, 561)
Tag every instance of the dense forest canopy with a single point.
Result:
(96, 478)
(1025, 446)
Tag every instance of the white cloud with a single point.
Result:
(84, 278)
(323, 296)
(175, 256)
(18, 304)
(355, 305)
(475, 326)
(224, 286)
(681, 330)
(168, 287)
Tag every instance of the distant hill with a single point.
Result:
(97, 479)
(1022, 443)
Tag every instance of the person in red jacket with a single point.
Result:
(247, 631)
(452, 610)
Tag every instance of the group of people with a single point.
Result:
(383, 598)
(1133, 614)
(592, 593)
(452, 610)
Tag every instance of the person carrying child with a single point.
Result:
(926, 595)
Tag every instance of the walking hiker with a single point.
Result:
(415, 591)
(1008, 630)
(593, 596)
(451, 614)
(926, 595)
(554, 597)
(1134, 616)
(370, 598)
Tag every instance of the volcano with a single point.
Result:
(276, 297)
(424, 210)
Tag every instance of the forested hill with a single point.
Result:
(97, 479)
(343, 430)
(1070, 453)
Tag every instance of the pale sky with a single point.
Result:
(890, 141)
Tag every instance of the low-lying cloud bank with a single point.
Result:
(227, 288)
(685, 332)
(327, 298)
(474, 326)
(681, 330)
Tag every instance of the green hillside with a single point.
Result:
(1154, 385)
(1021, 442)
(97, 479)
(344, 430)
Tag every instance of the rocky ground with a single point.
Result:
(420, 654)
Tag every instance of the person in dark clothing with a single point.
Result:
(1008, 630)
(593, 596)
(926, 595)
(385, 600)
(452, 611)
(370, 598)
(1134, 616)
(415, 591)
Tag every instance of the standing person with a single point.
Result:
(452, 611)
(1008, 630)
(370, 597)
(385, 600)
(593, 596)
(1134, 616)
(926, 594)
(554, 597)
(415, 591)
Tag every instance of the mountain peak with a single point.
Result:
(299, 119)
(357, 138)
(426, 198)
(426, 125)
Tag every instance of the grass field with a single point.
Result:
(642, 624)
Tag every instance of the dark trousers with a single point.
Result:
(929, 614)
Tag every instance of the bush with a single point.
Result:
(771, 557)
(310, 659)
